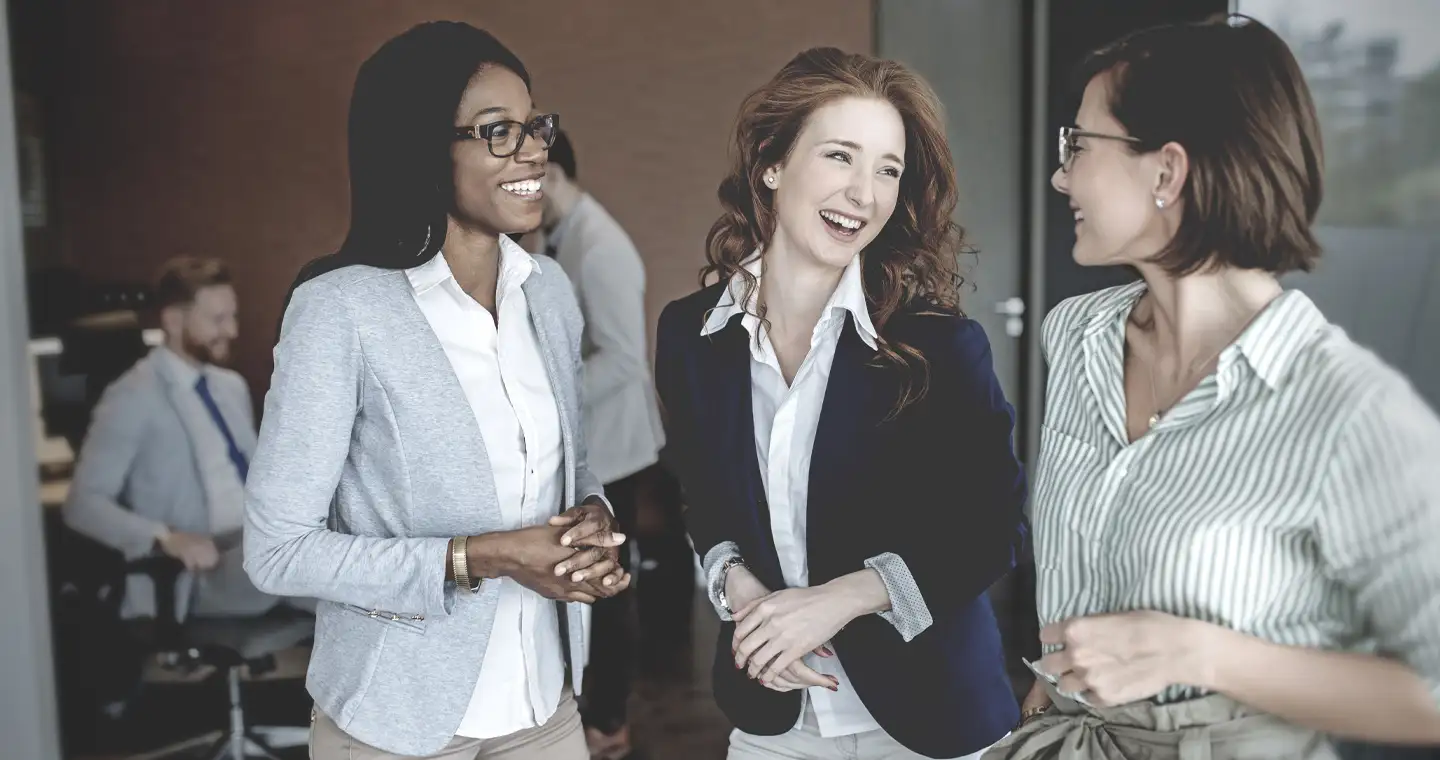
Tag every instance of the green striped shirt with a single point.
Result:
(1293, 495)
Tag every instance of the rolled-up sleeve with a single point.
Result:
(934, 572)
(1379, 529)
(908, 611)
(713, 564)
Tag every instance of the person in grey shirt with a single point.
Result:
(164, 463)
(621, 415)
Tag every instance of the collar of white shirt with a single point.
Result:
(1269, 344)
(849, 296)
(515, 267)
(180, 369)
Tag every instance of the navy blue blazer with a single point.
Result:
(938, 485)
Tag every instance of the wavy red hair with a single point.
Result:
(912, 265)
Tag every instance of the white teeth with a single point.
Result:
(1079, 215)
(843, 221)
(523, 187)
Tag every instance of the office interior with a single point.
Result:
(134, 132)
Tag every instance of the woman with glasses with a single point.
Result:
(421, 468)
(1237, 509)
(843, 442)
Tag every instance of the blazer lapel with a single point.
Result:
(551, 337)
(725, 382)
(842, 438)
(177, 393)
(426, 358)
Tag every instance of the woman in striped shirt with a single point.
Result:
(1236, 508)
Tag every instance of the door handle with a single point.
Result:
(1014, 310)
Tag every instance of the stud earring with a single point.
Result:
(770, 181)
(1159, 203)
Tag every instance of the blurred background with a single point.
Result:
(147, 129)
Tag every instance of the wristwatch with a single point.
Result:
(720, 591)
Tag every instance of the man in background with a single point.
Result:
(164, 461)
(622, 420)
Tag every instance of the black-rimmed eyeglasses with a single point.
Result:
(505, 138)
(1069, 143)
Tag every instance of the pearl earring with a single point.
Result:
(1159, 203)
(770, 181)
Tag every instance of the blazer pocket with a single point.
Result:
(415, 623)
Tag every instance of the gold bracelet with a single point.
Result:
(1031, 713)
(460, 562)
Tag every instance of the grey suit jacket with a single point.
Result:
(137, 473)
(370, 460)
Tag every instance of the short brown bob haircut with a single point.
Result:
(1229, 91)
(180, 278)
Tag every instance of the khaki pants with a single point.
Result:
(1208, 728)
(806, 743)
(561, 738)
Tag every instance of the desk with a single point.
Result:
(53, 493)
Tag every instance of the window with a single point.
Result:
(1373, 69)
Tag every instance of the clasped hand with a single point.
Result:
(774, 631)
(574, 557)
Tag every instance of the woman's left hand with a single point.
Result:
(591, 524)
(1119, 658)
(594, 532)
(774, 631)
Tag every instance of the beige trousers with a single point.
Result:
(561, 738)
(806, 743)
(1209, 728)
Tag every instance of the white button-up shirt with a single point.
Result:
(501, 371)
(786, 418)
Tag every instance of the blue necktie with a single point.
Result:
(202, 386)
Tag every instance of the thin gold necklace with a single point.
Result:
(1160, 409)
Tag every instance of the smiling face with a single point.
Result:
(1112, 189)
(498, 195)
(204, 328)
(840, 183)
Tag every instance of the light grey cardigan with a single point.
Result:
(369, 461)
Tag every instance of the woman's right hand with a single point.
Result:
(742, 588)
(529, 556)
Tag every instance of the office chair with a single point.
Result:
(231, 646)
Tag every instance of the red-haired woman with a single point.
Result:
(843, 443)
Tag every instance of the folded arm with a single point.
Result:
(976, 537)
(707, 520)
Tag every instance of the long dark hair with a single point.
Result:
(912, 265)
(401, 127)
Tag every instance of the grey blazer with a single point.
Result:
(370, 460)
(137, 472)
